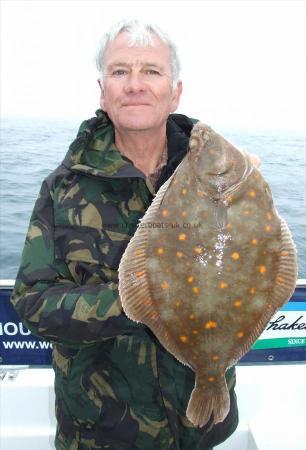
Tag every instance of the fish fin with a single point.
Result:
(285, 282)
(206, 402)
(134, 287)
(287, 272)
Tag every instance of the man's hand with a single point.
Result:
(255, 160)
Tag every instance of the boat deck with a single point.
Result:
(271, 384)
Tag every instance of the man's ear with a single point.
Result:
(177, 92)
(101, 94)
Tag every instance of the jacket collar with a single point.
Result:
(94, 151)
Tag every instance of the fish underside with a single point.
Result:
(209, 265)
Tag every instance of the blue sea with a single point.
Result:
(31, 149)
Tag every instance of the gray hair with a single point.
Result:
(140, 35)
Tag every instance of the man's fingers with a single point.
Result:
(255, 159)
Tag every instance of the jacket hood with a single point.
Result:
(94, 152)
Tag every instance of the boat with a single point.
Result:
(271, 383)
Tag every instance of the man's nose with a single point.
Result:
(135, 82)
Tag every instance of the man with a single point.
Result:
(116, 386)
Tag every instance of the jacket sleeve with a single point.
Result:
(48, 298)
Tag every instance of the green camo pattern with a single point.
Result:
(116, 387)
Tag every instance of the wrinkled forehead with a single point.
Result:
(146, 51)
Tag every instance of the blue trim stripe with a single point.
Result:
(294, 306)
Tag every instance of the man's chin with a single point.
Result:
(137, 124)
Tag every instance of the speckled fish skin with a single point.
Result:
(209, 265)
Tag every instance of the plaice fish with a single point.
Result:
(209, 265)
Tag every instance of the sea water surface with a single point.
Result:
(31, 149)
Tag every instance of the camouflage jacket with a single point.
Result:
(116, 387)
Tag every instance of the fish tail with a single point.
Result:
(206, 402)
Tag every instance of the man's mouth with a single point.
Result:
(135, 104)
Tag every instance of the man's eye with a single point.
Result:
(119, 72)
(151, 72)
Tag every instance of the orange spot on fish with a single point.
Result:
(235, 256)
(184, 191)
(240, 334)
(254, 241)
(269, 216)
(268, 228)
(252, 194)
(237, 303)
(252, 290)
(229, 198)
(182, 237)
(211, 379)
(190, 279)
(195, 331)
(196, 290)
(178, 303)
(262, 269)
(210, 324)
(280, 280)
(223, 285)
(184, 339)
(179, 254)
(160, 251)
(229, 226)
(140, 273)
(184, 213)
(198, 250)
(165, 285)
(215, 358)
(191, 316)
(165, 212)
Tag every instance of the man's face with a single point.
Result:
(137, 90)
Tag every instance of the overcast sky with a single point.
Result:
(244, 62)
